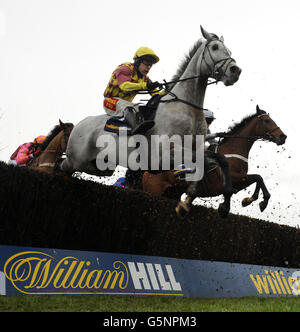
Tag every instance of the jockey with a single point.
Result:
(209, 117)
(211, 138)
(126, 80)
(26, 152)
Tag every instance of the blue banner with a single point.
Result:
(33, 271)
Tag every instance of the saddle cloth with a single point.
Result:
(118, 124)
(121, 183)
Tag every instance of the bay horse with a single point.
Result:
(235, 146)
(179, 113)
(52, 148)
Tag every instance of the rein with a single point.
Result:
(188, 78)
(215, 73)
(180, 100)
(49, 151)
(266, 136)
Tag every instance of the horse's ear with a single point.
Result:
(205, 34)
(61, 123)
(222, 39)
(258, 110)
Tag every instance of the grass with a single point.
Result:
(102, 303)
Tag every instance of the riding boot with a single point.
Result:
(136, 121)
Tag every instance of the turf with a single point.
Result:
(102, 303)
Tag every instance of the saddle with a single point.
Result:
(148, 112)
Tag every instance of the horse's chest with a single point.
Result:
(199, 124)
(238, 166)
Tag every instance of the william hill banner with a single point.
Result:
(47, 271)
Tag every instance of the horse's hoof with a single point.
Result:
(223, 211)
(247, 201)
(182, 210)
(263, 205)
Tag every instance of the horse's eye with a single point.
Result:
(267, 121)
(215, 47)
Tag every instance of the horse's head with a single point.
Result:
(66, 129)
(268, 129)
(217, 58)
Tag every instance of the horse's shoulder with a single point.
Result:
(93, 119)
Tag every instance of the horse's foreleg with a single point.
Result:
(224, 207)
(183, 208)
(266, 195)
(255, 178)
(64, 165)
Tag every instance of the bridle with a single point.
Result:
(267, 136)
(215, 72)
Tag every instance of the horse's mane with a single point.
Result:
(237, 126)
(54, 132)
(50, 137)
(184, 63)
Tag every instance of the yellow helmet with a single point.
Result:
(142, 51)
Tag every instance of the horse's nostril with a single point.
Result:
(235, 69)
(283, 137)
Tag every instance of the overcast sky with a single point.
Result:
(56, 57)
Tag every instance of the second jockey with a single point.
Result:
(26, 152)
(126, 80)
(211, 138)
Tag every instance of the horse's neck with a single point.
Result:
(53, 149)
(169, 116)
(193, 90)
(240, 143)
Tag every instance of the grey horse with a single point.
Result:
(180, 111)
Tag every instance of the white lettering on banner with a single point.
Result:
(2, 284)
(176, 285)
(152, 276)
(138, 275)
(156, 274)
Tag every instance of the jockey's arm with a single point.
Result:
(143, 86)
(210, 136)
(124, 76)
(131, 86)
(24, 154)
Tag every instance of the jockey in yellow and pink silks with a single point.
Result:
(126, 80)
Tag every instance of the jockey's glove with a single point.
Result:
(154, 85)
